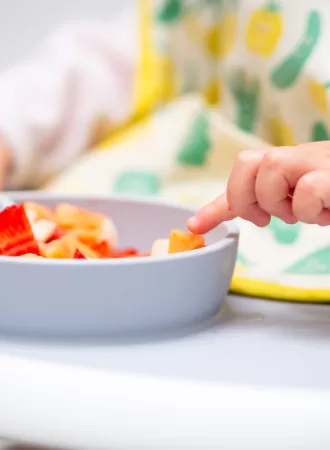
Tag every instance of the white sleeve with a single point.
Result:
(51, 105)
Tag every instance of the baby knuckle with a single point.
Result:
(273, 159)
(244, 157)
(308, 186)
(247, 156)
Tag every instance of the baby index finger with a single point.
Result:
(211, 216)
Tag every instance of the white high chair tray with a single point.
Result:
(257, 377)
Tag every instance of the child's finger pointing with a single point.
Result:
(210, 216)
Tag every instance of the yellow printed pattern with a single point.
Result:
(281, 134)
(221, 38)
(155, 79)
(319, 95)
(264, 30)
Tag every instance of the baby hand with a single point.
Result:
(291, 183)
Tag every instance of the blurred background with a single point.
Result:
(38, 17)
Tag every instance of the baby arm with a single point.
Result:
(52, 105)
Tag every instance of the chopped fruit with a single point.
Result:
(62, 248)
(125, 253)
(102, 249)
(35, 212)
(16, 236)
(160, 247)
(183, 242)
(94, 230)
(109, 232)
(43, 230)
(86, 251)
(87, 236)
(78, 255)
(70, 216)
(31, 230)
(57, 234)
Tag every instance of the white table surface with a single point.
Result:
(257, 377)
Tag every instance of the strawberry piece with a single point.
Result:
(16, 236)
(103, 249)
(125, 253)
(57, 234)
(78, 255)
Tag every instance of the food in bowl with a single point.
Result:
(32, 230)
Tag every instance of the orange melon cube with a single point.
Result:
(63, 248)
(70, 216)
(87, 236)
(36, 212)
(181, 241)
(66, 247)
(87, 251)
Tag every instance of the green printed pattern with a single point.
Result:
(246, 94)
(320, 132)
(137, 183)
(283, 233)
(198, 144)
(316, 263)
(288, 71)
(242, 259)
(170, 11)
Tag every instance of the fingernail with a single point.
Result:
(291, 221)
(262, 222)
(192, 222)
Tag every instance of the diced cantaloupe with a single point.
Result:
(35, 212)
(70, 216)
(86, 235)
(62, 248)
(87, 251)
(181, 241)
(89, 227)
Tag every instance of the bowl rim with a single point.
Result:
(231, 236)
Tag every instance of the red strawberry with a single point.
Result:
(58, 233)
(16, 236)
(78, 255)
(125, 253)
(102, 249)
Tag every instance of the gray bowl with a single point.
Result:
(118, 297)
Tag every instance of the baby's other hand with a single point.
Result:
(291, 183)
